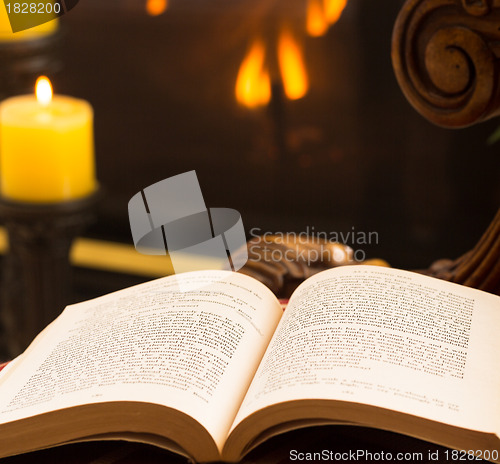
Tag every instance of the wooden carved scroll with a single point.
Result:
(479, 267)
(445, 55)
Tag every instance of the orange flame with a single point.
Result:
(316, 21)
(156, 7)
(253, 84)
(333, 9)
(43, 90)
(293, 71)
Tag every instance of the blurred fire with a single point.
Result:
(293, 70)
(156, 7)
(316, 22)
(253, 84)
(321, 14)
(333, 10)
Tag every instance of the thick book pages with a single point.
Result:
(104, 366)
(385, 348)
(206, 365)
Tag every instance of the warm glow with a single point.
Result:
(156, 7)
(333, 9)
(293, 71)
(253, 85)
(43, 90)
(316, 22)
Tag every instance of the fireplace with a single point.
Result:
(327, 143)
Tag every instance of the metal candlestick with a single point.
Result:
(21, 62)
(37, 278)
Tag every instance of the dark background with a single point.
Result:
(351, 153)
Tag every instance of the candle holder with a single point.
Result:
(22, 61)
(37, 277)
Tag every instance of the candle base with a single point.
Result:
(37, 278)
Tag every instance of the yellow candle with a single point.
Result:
(46, 148)
(6, 33)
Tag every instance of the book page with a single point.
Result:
(387, 338)
(195, 351)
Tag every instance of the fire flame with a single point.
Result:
(43, 90)
(156, 7)
(321, 14)
(333, 10)
(253, 84)
(293, 70)
(316, 21)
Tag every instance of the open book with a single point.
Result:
(208, 365)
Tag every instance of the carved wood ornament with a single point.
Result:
(479, 267)
(446, 56)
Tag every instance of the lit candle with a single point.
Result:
(46, 147)
(6, 33)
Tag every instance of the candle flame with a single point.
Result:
(253, 84)
(293, 70)
(43, 90)
(156, 7)
(316, 20)
(333, 10)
